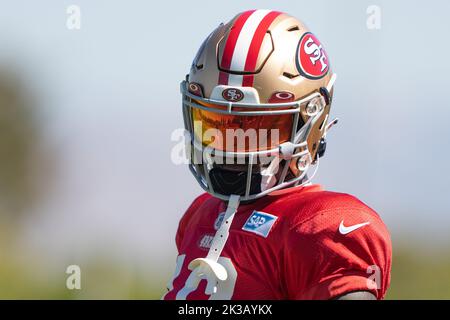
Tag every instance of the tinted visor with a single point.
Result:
(240, 133)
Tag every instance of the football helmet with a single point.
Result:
(256, 105)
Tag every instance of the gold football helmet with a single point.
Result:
(256, 105)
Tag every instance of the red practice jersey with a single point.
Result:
(297, 243)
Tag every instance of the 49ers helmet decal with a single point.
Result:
(311, 58)
(264, 71)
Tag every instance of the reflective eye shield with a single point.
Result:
(241, 133)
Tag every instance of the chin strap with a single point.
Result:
(208, 268)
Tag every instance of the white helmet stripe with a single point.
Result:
(243, 45)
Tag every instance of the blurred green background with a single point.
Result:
(86, 118)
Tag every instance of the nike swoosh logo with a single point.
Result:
(346, 230)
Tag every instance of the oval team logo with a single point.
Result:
(281, 96)
(311, 58)
(232, 94)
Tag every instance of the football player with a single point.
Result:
(256, 107)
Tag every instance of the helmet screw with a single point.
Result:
(311, 108)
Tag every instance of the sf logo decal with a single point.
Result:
(232, 94)
(315, 53)
(311, 58)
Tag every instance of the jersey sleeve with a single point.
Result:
(325, 261)
(186, 218)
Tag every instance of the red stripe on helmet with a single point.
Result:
(255, 47)
(233, 36)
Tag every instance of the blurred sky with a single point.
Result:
(107, 98)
